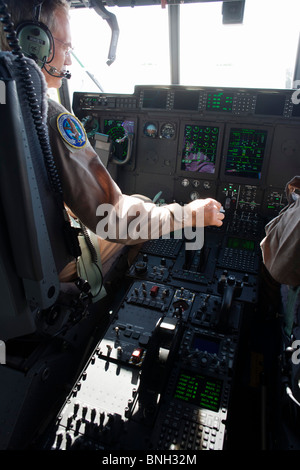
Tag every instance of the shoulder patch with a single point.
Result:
(71, 130)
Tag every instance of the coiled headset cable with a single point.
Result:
(42, 133)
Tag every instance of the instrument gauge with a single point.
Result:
(194, 195)
(206, 185)
(150, 129)
(167, 131)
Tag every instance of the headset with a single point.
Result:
(37, 43)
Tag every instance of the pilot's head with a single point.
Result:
(54, 14)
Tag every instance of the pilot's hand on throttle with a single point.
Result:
(211, 208)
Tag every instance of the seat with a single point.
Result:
(33, 247)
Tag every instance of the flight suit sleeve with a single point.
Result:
(281, 245)
(93, 196)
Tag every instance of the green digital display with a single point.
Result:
(245, 154)
(199, 150)
(219, 102)
(118, 131)
(240, 244)
(199, 389)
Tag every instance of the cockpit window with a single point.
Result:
(260, 52)
(142, 54)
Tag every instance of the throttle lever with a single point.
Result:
(230, 288)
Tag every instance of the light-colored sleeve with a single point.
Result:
(281, 246)
(94, 197)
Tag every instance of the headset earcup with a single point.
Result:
(36, 41)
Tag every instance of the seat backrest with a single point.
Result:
(32, 244)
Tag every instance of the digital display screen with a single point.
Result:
(202, 343)
(186, 99)
(155, 99)
(118, 131)
(270, 104)
(199, 390)
(199, 148)
(219, 102)
(240, 244)
(245, 154)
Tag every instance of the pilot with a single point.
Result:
(281, 245)
(280, 251)
(87, 186)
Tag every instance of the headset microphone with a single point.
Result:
(67, 74)
(54, 72)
